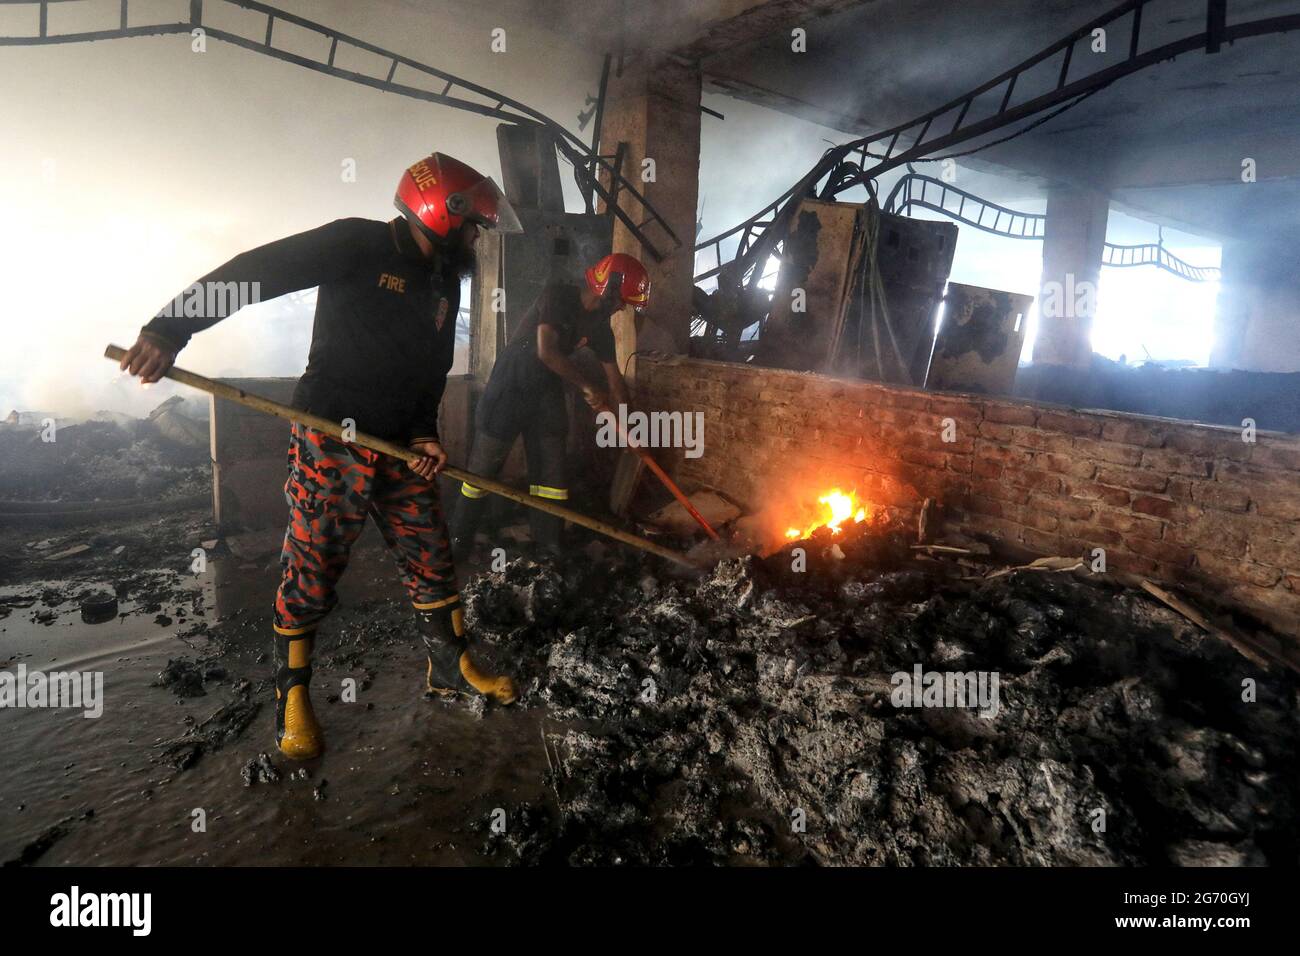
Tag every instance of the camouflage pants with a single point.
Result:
(331, 489)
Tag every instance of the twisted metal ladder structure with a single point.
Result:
(454, 92)
(854, 163)
(926, 192)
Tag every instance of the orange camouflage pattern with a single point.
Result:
(332, 487)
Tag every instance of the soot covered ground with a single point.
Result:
(746, 716)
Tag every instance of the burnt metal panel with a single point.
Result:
(530, 169)
(979, 341)
(811, 285)
(888, 329)
(552, 244)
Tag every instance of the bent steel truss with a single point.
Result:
(403, 73)
(927, 192)
(854, 163)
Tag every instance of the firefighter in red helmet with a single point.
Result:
(525, 393)
(382, 344)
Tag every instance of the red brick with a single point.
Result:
(1131, 478)
(1067, 465)
(984, 506)
(920, 402)
(997, 527)
(1090, 531)
(1213, 494)
(1062, 507)
(995, 432)
(1165, 552)
(1207, 443)
(1179, 488)
(1175, 462)
(1134, 564)
(954, 408)
(1133, 433)
(1160, 507)
(1108, 452)
(1276, 456)
(1031, 517)
(963, 441)
(1070, 424)
(1235, 569)
(1000, 491)
(985, 468)
(1281, 552)
(1010, 414)
(1032, 480)
(1041, 440)
(1128, 524)
(1272, 504)
(1207, 535)
(1117, 497)
(1010, 457)
(922, 456)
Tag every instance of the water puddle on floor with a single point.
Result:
(404, 780)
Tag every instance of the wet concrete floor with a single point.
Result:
(405, 779)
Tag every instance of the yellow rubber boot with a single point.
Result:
(451, 669)
(297, 732)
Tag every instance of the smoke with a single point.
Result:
(131, 167)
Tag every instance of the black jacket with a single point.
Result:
(385, 329)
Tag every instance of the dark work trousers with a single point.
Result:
(518, 401)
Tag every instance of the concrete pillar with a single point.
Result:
(1257, 318)
(654, 108)
(1072, 247)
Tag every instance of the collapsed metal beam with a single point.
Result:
(906, 195)
(758, 236)
(456, 92)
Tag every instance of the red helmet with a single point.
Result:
(439, 193)
(635, 290)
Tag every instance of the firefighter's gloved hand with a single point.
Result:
(148, 358)
(434, 460)
(594, 397)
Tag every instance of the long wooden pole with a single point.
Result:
(249, 400)
(660, 474)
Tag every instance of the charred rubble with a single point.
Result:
(746, 716)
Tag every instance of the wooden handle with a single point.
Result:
(261, 404)
(662, 475)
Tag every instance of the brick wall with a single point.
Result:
(1177, 502)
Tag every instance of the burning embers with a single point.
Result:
(836, 508)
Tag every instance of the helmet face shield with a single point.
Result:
(486, 205)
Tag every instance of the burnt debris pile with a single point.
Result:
(109, 459)
(752, 715)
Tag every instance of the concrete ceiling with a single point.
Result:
(1167, 143)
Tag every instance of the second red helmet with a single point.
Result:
(440, 192)
(635, 290)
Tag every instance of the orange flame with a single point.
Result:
(837, 508)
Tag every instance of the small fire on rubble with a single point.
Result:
(837, 507)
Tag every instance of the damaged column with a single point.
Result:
(1072, 250)
(652, 117)
(1257, 317)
